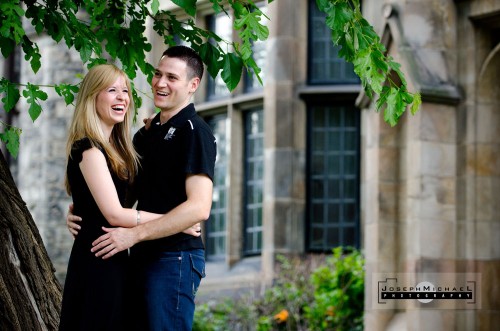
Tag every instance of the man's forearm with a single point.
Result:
(177, 220)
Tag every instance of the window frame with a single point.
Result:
(325, 247)
(245, 250)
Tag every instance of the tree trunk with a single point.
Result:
(30, 295)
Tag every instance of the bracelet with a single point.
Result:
(138, 219)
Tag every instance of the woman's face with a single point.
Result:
(112, 103)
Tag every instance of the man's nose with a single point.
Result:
(162, 81)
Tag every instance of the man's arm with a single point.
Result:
(194, 210)
(72, 221)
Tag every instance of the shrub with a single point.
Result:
(339, 293)
(331, 297)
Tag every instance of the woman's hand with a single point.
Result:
(194, 230)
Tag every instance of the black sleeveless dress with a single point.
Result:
(95, 291)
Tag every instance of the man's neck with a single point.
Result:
(167, 114)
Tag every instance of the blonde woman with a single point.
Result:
(101, 164)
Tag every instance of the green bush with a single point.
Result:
(339, 293)
(331, 297)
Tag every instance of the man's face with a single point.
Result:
(171, 87)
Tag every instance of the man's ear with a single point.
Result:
(194, 83)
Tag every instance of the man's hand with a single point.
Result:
(71, 221)
(113, 241)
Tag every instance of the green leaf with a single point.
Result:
(155, 6)
(250, 30)
(11, 138)
(137, 102)
(7, 46)
(216, 6)
(396, 68)
(231, 71)
(394, 107)
(210, 55)
(32, 52)
(339, 15)
(95, 61)
(32, 93)
(12, 94)
(84, 47)
(67, 91)
(417, 101)
(383, 97)
(250, 62)
(323, 4)
(11, 27)
(188, 5)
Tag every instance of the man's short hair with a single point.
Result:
(188, 55)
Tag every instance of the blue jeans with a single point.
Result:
(169, 284)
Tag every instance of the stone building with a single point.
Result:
(306, 164)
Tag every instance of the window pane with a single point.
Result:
(350, 189)
(349, 234)
(334, 189)
(317, 188)
(333, 213)
(350, 140)
(319, 141)
(334, 164)
(351, 163)
(333, 237)
(317, 237)
(335, 140)
(318, 165)
(318, 213)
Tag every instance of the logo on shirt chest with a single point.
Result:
(170, 133)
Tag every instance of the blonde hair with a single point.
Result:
(123, 159)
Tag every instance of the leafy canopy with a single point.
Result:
(361, 46)
(100, 28)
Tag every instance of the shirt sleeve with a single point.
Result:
(202, 151)
(78, 148)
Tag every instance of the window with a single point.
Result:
(216, 225)
(333, 177)
(254, 173)
(222, 25)
(325, 66)
(259, 55)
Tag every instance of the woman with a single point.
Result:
(101, 164)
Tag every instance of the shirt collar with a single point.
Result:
(178, 119)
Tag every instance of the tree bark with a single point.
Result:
(30, 294)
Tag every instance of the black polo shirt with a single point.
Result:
(169, 152)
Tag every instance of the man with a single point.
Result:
(177, 157)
